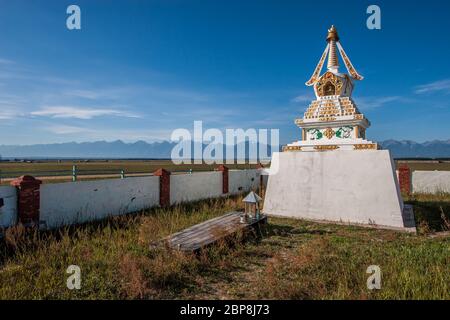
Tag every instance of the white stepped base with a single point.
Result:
(355, 187)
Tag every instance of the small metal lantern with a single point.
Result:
(252, 205)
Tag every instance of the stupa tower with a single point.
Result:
(333, 173)
(333, 121)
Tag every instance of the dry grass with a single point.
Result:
(294, 260)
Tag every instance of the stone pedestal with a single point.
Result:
(354, 187)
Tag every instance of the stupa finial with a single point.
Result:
(332, 38)
(332, 34)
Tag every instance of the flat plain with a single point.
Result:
(51, 171)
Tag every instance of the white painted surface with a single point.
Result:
(78, 202)
(430, 181)
(196, 186)
(8, 212)
(348, 186)
(243, 180)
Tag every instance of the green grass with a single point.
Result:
(48, 171)
(127, 165)
(294, 260)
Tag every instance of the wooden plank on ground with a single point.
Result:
(210, 231)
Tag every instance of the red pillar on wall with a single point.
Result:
(404, 179)
(28, 199)
(164, 186)
(224, 178)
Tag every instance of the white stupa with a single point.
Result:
(333, 173)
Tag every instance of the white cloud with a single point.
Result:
(87, 94)
(90, 134)
(307, 97)
(9, 109)
(5, 114)
(80, 112)
(375, 102)
(63, 129)
(441, 85)
(6, 61)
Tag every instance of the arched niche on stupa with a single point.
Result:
(329, 89)
(329, 84)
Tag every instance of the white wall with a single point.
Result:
(241, 180)
(8, 213)
(196, 186)
(77, 202)
(430, 181)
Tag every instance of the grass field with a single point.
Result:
(294, 260)
(152, 165)
(58, 171)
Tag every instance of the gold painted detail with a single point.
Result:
(327, 119)
(326, 147)
(292, 148)
(349, 65)
(315, 76)
(358, 117)
(365, 146)
(338, 107)
(329, 85)
(329, 133)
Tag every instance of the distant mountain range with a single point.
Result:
(411, 149)
(162, 150)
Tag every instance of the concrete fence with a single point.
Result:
(8, 206)
(430, 181)
(78, 202)
(54, 205)
(417, 181)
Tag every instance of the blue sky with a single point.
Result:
(139, 69)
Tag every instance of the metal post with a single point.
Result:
(74, 173)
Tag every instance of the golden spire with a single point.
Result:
(332, 38)
(331, 51)
(332, 34)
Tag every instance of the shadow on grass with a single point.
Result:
(274, 229)
(432, 215)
